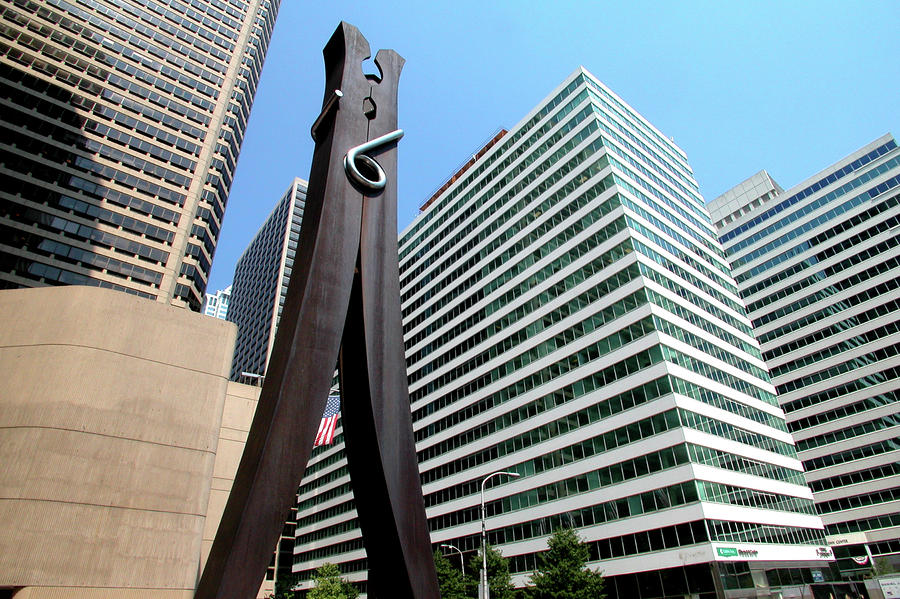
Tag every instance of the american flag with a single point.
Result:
(325, 436)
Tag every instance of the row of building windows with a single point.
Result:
(615, 474)
(615, 130)
(701, 224)
(585, 299)
(870, 403)
(629, 469)
(824, 218)
(736, 463)
(823, 254)
(610, 103)
(46, 194)
(863, 524)
(717, 374)
(853, 454)
(27, 269)
(132, 225)
(172, 50)
(854, 478)
(146, 110)
(838, 348)
(537, 171)
(628, 184)
(710, 348)
(844, 504)
(503, 322)
(631, 433)
(424, 226)
(702, 322)
(820, 220)
(181, 30)
(726, 430)
(608, 441)
(752, 532)
(668, 230)
(536, 436)
(723, 402)
(140, 145)
(86, 233)
(850, 365)
(809, 190)
(867, 294)
(679, 253)
(826, 333)
(733, 495)
(543, 403)
(500, 347)
(692, 298)
(569, 282)
(864, 428)
(647, 176)
(649, 463)
(692, 279)
(823, 293)
(560, 341)
(815, 279)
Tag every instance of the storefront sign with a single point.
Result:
(890, 587)
(727, 551)
(852, 538)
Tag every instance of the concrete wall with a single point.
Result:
(110, 413)
(240, 406)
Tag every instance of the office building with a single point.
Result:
(818, 268)
(260, 284)
(569, 316)
(121, 126)
(216, 304)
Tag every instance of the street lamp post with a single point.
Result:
(456, 549)
(486, 592)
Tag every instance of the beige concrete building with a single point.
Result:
(119, 432)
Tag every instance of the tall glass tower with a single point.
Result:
(261, 277)
(121, 126)
(569, 316)
(818, 267)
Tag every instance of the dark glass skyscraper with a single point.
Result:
(261, 278)
(121, 126)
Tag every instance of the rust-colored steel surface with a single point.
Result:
(342, 306)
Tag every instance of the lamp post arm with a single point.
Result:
(486, 593)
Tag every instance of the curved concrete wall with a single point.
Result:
(110, 408)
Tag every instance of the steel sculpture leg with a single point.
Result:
(343, 302)
(379, 436)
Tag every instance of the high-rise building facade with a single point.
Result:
(818, 268)
(216, 304)
(260, 284)
(570, 317)
(121, 126)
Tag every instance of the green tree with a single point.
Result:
(330, 585)
(283, 587)
(561, 572)
(499, 580)
(451, 580)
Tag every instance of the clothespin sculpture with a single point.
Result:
(342, 306)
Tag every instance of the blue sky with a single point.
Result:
(741, 86)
